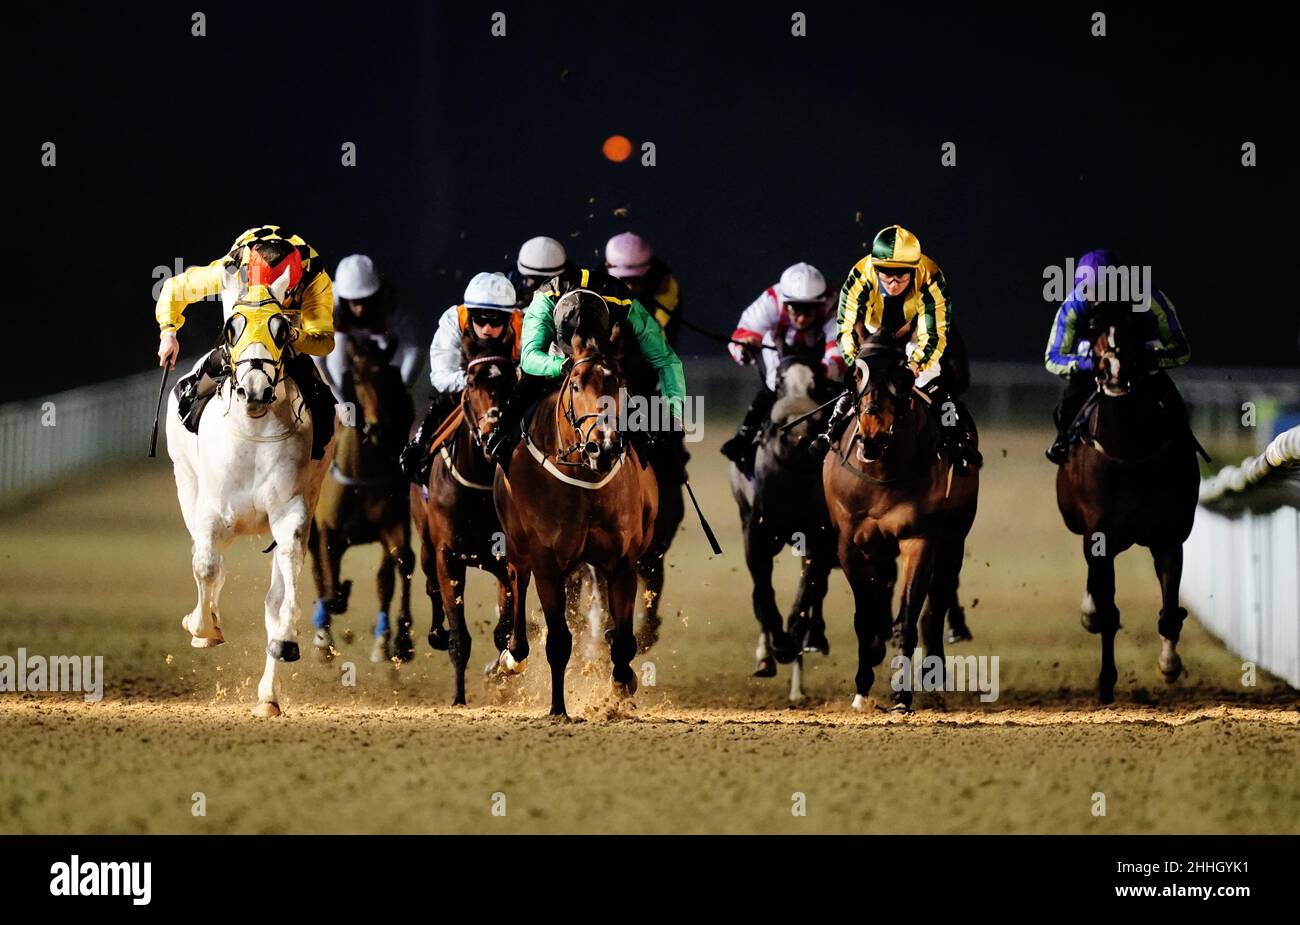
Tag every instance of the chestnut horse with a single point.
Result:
(364, 501)
(891, 489)
(1131, 479)
(577, 493)
(454, 514)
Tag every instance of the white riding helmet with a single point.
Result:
(541, 256)
(356, 277)
(802, 282)
(490, 291)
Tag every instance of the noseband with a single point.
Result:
(586, 449)
(493, 413)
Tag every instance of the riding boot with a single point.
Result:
(508, 428)
(195, 389)
(839, 420)
(743, 446)
(318, 398)
(1072, 400)
(414, 458)
(956, 436)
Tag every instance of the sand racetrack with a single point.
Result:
(102, 568)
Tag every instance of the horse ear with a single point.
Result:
(281, 285)
(234, 328)
(575, 342)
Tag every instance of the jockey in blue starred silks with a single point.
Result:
(1069, 351)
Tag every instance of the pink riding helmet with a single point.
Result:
(628, 256)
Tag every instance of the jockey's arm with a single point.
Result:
(1062, 357)
(446, 363)
(539, 333)
(932, 326)
(178, 292)
(1174, 349)
(756, 322)
(853, 305)
(832, 360)
(655, 349)
(316, 321)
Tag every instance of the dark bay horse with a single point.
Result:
(454, 515)
(363, 500)
(577, 494)
(1132, 479)
(784, 505)
(891, 490)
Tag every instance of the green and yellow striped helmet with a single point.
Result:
(895, 246)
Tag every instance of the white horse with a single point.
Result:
(249, 470)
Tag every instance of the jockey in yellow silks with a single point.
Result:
(242, 277)
(893, 288)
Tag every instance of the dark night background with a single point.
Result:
(768, 146)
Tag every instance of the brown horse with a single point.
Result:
(1132, 479)
(454, 514)
(577, 493)
(363, 500)
(891, 489)
(650, 569)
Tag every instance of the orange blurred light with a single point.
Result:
(617, 148)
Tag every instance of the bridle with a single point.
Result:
(586, 449)
(493, 414)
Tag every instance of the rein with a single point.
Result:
(576, 422)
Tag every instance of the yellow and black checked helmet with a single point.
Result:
(304, 261)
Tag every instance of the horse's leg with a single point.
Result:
(429, 565)
(512, 626)
(917, 570)
(622, 586)
(870, 619)
(559, 640)
(1169, 568)
(323, 641)
(955, 544)
(451, 583)
(382, 649)
(400, 544)
(211, 539)
(759, 550)
(1100, 615)
(289, 528)
(942, 598)
(650, 567)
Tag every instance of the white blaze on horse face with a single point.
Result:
(254, 383)
(798, 380)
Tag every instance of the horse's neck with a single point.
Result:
(470, 459)
(1127, 425)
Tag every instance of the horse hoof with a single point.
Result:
(765, 669)
(798, 700)
(380, 651)
(902, 702)
(961, 635)
(283, 650)
(814, 644)
(265, 709)
(439, 638)
(1170, 671)
(403, 649)
(784, 648)
(323, 642)
(624, 689)
(901, 707)
(202, 642)
(860, 703)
